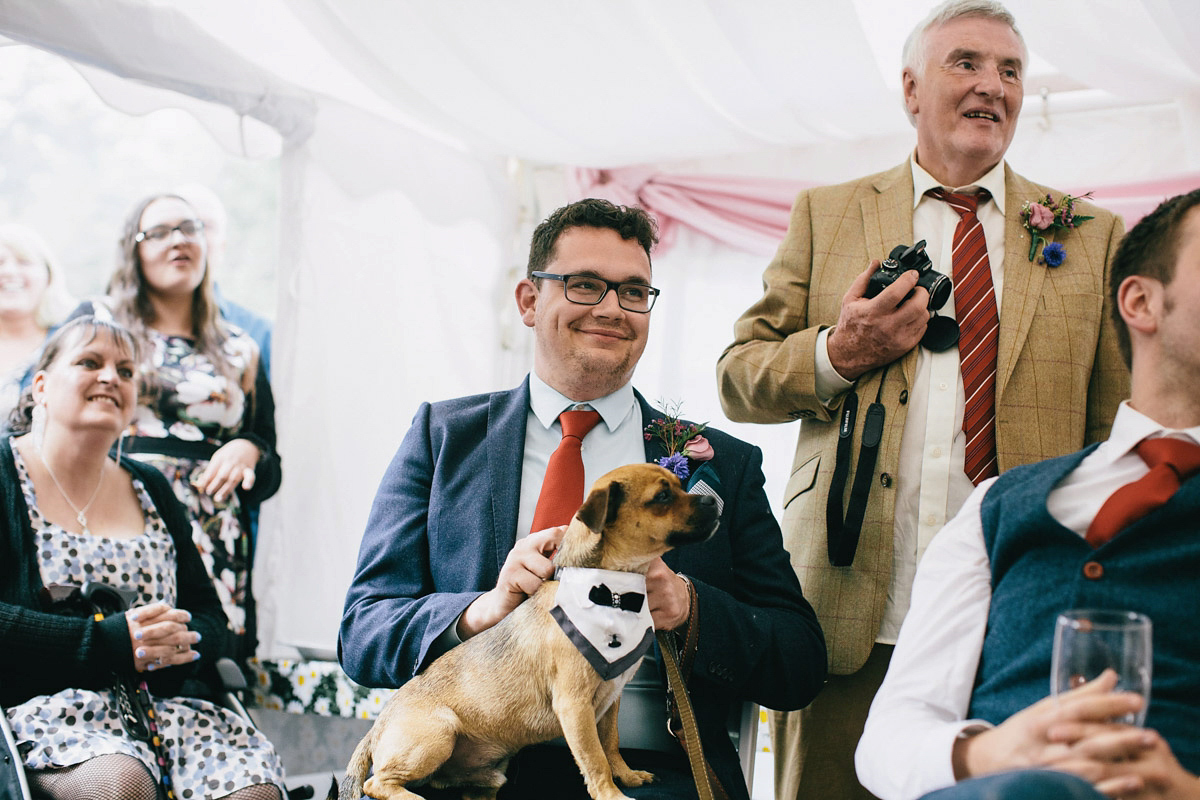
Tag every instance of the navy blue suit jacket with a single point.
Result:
(445, 518)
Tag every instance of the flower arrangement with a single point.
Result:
(1049, 215)
(683, 441)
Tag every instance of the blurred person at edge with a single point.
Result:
(207, 421)
(814, 348)
(33, 301)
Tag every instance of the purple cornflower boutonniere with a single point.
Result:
(685, 446)
(1049, 215)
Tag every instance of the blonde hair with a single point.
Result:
(56, 301)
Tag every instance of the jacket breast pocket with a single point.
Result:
(803, 479)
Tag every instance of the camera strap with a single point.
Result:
(843, 532)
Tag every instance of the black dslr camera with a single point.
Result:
(904, 258)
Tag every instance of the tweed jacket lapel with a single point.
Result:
(508, 413)
(887, 222)
(1023, 279)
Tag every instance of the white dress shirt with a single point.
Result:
(906, 747)
(931, 483)
(616, 440)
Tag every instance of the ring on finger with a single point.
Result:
(158, 661)
(179, 648)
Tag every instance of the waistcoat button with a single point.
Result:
(1093, 570)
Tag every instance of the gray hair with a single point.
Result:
(913, 55)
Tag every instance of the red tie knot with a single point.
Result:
(1180, 455)
(962, 203)
(578, 423)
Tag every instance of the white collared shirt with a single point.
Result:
(616, 440)
(931, 483)
(920, 709)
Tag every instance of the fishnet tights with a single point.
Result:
(111, 777)
(117, 777)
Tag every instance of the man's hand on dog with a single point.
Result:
(529, 564)
(670, 603)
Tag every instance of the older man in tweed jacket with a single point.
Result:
(813, 341)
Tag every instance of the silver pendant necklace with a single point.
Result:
(80, 513)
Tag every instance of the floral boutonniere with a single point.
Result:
(684, 442)
(1049, 215)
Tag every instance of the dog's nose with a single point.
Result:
(706, 500)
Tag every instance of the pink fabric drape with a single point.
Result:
(751, 214)
(1135, 200)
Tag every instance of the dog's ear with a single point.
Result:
(616, 496)
(601, 506)
(593, 511)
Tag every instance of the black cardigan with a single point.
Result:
(43, 653)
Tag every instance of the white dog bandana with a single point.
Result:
(605, 615)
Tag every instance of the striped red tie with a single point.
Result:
(979, 325)
(562, 488)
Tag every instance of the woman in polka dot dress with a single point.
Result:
(72, 515)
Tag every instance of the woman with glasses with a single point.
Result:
(208, 420)
(33, 299)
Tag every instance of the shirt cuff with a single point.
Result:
(449, 638)
(829, 384)
(941, 770)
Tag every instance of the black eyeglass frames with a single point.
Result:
(589, 290)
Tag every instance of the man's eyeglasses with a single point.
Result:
(190, 228)
(588, 290)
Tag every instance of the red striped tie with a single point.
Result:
(979, 325)
(562, 488)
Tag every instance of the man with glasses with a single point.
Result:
(459, 536)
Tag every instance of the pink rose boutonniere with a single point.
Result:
(683, 441)
(1049, 215)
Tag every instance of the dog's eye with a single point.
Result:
(662, 497)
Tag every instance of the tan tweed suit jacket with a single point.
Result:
(1060, 376)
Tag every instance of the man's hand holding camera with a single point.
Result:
(875, 331)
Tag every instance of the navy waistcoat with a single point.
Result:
(1040, 568)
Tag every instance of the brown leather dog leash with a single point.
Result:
(683, 717)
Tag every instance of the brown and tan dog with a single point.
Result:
(522, 681)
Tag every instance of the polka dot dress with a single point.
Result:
(213, 751)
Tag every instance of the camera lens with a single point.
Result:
(939, 291)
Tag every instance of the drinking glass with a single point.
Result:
(1089, 641)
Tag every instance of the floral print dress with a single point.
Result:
(212, 751)
(197, 405)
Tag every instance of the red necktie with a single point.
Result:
(562, 488)
(1171, 462)
(979, 326)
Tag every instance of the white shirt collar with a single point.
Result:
(1131, 426)
(547, 403)
(992, 180)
